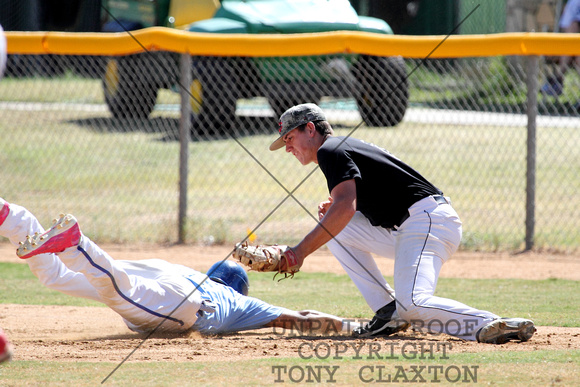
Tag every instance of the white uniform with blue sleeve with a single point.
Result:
(144, 293)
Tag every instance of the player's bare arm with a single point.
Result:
(338, 213)
(312, 321)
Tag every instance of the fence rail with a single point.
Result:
(323, 43)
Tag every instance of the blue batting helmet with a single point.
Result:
(230, 274)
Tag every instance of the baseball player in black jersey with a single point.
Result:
(380, 205)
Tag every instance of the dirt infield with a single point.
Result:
(65, 333)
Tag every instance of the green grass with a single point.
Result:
(548, 302)
(551, 302)
(497, 368)
(19, 286)
(486, 84)
(65, 89)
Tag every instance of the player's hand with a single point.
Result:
(289, 257)
(263, 258)
(323, 207)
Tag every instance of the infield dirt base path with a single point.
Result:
(65, 333)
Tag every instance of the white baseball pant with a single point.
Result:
(420, 246)
(142, 292)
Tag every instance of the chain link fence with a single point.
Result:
(99, 137)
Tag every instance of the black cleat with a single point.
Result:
(386, 322)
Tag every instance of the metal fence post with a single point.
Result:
(532, 64)
(184, 138)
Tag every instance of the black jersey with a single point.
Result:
(385, 186)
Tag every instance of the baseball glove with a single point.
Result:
(267, 258)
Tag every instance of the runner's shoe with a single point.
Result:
(63, 234)
(4, 210)
(5, 347)
(505, 329)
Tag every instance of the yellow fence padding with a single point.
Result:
(166, 39)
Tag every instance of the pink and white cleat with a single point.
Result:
(63, 234)
(4, 210)
(5, 347)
